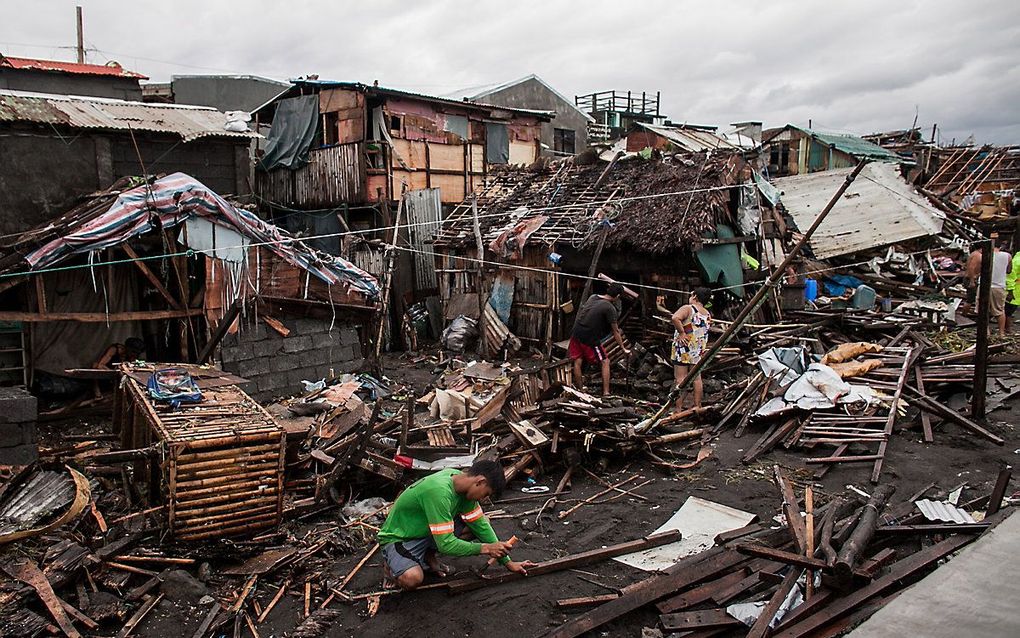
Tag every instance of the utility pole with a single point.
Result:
(81, 37)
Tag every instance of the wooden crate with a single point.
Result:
(220, 467)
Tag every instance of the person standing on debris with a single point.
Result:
(596, 319)
(997, 297)
(431, 517)
(690, 341)
(1012, 290)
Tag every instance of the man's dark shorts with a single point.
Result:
(404, 555)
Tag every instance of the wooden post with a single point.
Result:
(479, 256)
(752, 304)
(391, 253)
(850, 552)
(977, 401)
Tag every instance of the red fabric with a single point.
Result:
(591, 354)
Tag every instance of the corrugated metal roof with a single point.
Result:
(59, 66)
(880, 208)
(943, 511)
(189, 122)
(691, 139)
(851, 144)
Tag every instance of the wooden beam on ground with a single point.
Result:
(703, 619)
(999, 491)
(927, 403)
(764, 551)
(761, 626)
(569, 562)
(29, 573)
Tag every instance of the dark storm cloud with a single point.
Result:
(857, 67)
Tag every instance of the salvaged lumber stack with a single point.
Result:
(220, 461)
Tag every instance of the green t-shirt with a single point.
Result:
(428, 507)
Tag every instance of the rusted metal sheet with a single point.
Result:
(189, 122)
(334, 175)
(879, 209)
(424, 218)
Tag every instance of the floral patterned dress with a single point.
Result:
(692, 343)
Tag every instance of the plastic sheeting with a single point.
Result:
(497, 143)
(721, 263)
(290, 138)
(786, 364)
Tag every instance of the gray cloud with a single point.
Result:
(856, 67)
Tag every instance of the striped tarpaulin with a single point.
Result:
(170, 201)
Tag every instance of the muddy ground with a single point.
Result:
(526, 608)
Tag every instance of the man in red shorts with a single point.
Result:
(595, 320)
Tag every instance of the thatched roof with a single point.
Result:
(654, 210)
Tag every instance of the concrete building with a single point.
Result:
(69, 146)
(222, 92)
(69, 78)
(566, 134)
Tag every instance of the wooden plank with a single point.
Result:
(569, 562)
(701, 594)
(926, 402)
(761, 626)
(153, 279)
(28, 572)
(703, 619)
(764, 551)
(929, 434)
(791, 510)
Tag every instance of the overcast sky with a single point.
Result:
(858, 67)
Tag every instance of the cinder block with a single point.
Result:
(19, 455)
(17, 405)
(267, 348)
(282, 363)
(349, 336)
(15, 434)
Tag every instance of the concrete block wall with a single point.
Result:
(18, 413)
(276, 365)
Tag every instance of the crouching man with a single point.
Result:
(433, 516)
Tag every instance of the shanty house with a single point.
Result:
(69, 78)
(171, 262)
(670, 224)
(793, 150)
(68, 145)
(336, 144)
(566, 134)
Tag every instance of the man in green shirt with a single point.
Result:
(429, 517)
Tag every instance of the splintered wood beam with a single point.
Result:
(570, 562)
(28, 572)
(925, 402)
(703, 619)
(764, 551)
(791, 510)
(761, 626)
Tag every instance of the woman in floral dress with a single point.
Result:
(690, 341)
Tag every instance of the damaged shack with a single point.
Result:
(668, 223)
(172, 263)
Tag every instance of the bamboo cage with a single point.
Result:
(220, 462)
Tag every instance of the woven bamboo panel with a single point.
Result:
(222, 473)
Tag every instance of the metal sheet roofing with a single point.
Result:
(189, 122)
(58, 66)
(878, 209)
(943, 511)
(692, 139)
(852, 145)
